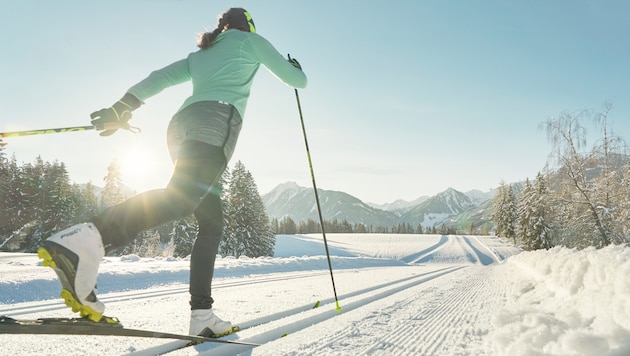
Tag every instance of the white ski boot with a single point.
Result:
(75, 254)
(203, 322)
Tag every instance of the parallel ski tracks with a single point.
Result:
(56, 304)
(468, 250)
(447, 315)
(437, 321)
(274, 326)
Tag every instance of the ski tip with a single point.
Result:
(316, 305)
(5, 319)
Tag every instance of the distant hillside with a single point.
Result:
(478, 197)
(298, 203)
(448, 207)
(476, 220)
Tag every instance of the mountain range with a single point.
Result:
(468, 211)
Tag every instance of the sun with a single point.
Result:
(137, 166)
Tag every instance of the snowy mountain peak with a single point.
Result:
(284, 191)
(399, 205)
(298, 203)
(455, 200)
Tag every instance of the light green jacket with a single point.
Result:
(223, 72)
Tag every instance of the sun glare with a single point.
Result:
(137, 167)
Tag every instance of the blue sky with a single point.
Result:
(405, 98)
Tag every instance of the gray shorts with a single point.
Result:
(212, 122)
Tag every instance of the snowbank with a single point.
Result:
(567, 302)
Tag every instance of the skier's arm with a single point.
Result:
(118, 115)
(277, 64)
(173, 74)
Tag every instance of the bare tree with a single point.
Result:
(588, 179)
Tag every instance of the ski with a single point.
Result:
(182, 344)
(84, 326)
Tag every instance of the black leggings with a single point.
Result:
(192, 189)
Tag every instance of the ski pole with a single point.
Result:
(45, 131)
(319, 209)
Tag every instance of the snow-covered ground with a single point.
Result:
(399, 294)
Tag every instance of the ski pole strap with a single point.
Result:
(133, 129)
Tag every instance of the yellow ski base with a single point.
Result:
(68, 296)
(84, 310)
(233, 329)
(46, 257)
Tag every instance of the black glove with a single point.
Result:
(295, 63)
(116, 117)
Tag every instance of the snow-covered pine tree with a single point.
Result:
(88, 203)
(504, 212)
(182, 234)
(275, 226)
(15, 206)
(534, 225)
(113, 191)
(542, 225)
(511, 213)
(33, 202)
(40, 197)
(59, 204)
(6, 229)
(624, 200)
(524, 209)
(247, 228)
(31, 188)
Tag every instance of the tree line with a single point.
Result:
(38, 199)
(288, 226)
(584, 202)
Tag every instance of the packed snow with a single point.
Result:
(399, 295)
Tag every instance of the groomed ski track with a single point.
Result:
(287, 322)
(432, 293)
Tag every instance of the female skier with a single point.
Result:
(201, 138)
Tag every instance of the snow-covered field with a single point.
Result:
(399, 294)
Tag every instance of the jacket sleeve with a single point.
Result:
(173, 74)
(276, 63)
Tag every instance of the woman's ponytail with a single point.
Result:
(206, 39)
(235, 18)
